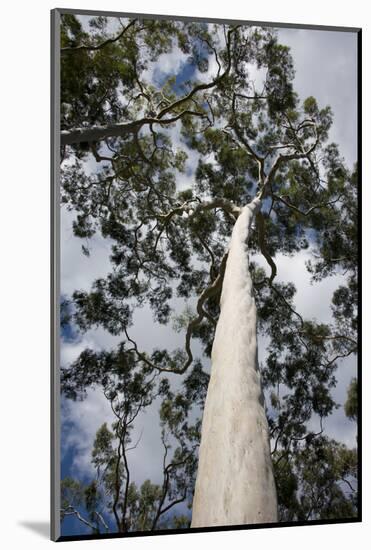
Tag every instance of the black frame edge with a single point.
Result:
(103, 536)
(359, 305)
(54, 276)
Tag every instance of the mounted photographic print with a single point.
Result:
(205, 227)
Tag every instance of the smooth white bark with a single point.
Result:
(235, 483)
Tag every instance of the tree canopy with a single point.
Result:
(125, 140)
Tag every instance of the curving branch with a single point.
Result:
(204, 86)
(117, 485)
(209, 291)
(71, 511)
(339, 356)
(289, 306)
(307, 212)
(349, 484)
(102, 44)
(102, 520)
(240, 135)
(228, 206)
(282, 158)
(334, 337)
(260, 223)
(166, 481)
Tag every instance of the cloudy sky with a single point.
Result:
(325, 63)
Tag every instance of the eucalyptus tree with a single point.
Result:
(267, 181)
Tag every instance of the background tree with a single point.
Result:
(255, 144)
(130, 386)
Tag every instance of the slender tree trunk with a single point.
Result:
(235, 483)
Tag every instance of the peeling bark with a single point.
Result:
(235, 483)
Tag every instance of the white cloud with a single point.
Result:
(113, 24)
(217, 34)
(326, 67)
(167, 64)
(185, 179)
(84, 418)
(79, 271)
(211, 72)
(311, 299)
(70, 351)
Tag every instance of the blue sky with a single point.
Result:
(185, 73)
(325, 67)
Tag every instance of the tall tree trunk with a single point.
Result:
(235, 483)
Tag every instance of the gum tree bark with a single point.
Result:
(235, 483)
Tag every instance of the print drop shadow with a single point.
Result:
(42, 528)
